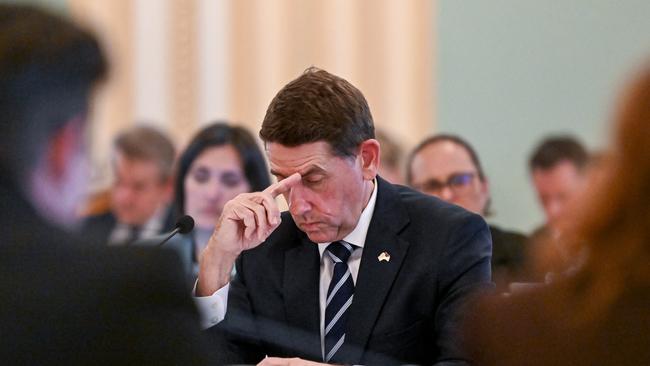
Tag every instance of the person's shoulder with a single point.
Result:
(150, 264)
(55, 257)
(101, 220)
(100, 217)
(507, 236)
(122, 289)
(499, 322)
(540, 233)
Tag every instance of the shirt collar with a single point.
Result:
(358, 236)
(153, 225)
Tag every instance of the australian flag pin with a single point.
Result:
(384, 256)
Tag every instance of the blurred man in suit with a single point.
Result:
(143, 161)
(558, 167)
(446, 166)
(62, 301)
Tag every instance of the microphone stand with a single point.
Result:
(174, 232)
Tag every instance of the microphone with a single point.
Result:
(184, 225)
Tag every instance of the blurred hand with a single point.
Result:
(276, 361)
(245, 222)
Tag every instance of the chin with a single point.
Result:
(320, 237)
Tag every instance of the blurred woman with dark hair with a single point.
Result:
(220, 162)
(598, 315)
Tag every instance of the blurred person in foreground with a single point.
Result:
(558, 168)
(597, 315)
(448, 167)
(61, 300)
(140, 196)
(359, 271)
(220, 162)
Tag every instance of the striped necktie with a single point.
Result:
(339, 298)
(133, 234)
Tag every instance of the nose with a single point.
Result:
(446, 194)
(122, 195)
(297, 200)
(554, 210)
(213, 190)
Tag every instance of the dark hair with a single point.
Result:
(555, 149)
(148, 144)
(440, 138)
(48, 67)
(220, 134)
(319, 106)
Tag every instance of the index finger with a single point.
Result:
(283, 186)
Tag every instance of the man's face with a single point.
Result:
(328, 202)
(138, 190)
(556, 188)
(444, 169)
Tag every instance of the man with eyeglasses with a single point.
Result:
(446, 166)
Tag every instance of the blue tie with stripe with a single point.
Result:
(339, 298)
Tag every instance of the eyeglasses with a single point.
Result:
(456, 182)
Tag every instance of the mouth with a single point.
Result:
(310, 226)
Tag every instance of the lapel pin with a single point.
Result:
(384, 256)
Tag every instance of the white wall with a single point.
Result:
(511, 71)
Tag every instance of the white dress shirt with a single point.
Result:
(151, 228)
(213, 308)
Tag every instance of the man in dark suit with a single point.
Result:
(62, 301)
(359, 270)
(448, 167)
(143, 164)
(140, 213)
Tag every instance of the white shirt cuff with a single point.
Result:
(211, 308)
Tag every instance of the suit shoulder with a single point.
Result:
(506, 236)
(425, 208)
(98, 225)
(106, 217)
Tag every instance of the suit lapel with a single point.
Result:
(301, 279)
(376, 277)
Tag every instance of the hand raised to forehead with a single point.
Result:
(283, 186)
(245, 222)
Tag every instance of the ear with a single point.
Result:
(369, 153)
(62, 148)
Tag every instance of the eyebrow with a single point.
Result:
(312, 169)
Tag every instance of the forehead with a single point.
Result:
(140, 169)
(441, 159)
(288, 160)
(218, 157)
(561, 176)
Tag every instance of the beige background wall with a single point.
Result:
(182, 63)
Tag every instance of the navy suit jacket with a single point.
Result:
(406, 310)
